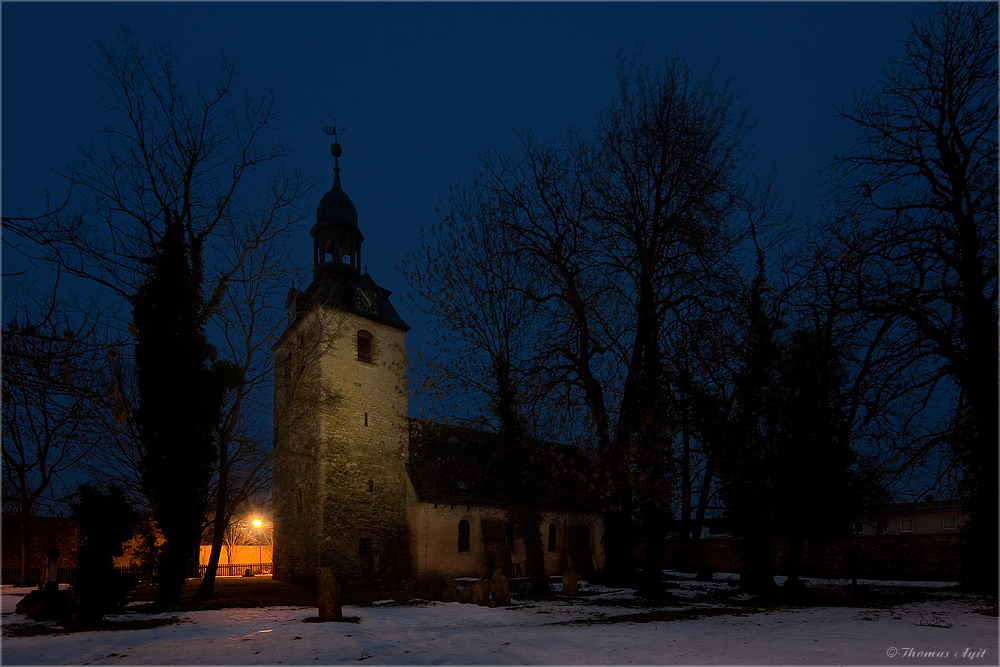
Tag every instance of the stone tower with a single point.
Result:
(340, 414)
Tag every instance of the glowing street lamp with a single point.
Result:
(257, 523)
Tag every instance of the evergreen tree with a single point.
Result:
(748, 462)
(817, 492)
(180, 398)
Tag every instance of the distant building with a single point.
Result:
(926, 517)
(360, 488)
(47, 532)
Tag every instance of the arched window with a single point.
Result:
(463, 535)
(552, 537)
(364, 346)
(510, 535)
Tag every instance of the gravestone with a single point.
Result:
(579, 549)
(449, 593)
(571, 580)
(329, 597)
(500, 589)
(52, 569)
(481, 593)
(39, 605)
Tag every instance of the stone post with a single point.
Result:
(329, 597)
(52, 569)
(571, 580)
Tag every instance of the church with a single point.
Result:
(359, 486)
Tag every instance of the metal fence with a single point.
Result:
(67, 575)
(237, 570)
(12, 575)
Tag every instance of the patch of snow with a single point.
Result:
(535, 632)
(11, 596)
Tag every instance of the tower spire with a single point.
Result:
(336, 236)
(335, 148)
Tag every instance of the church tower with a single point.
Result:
(340, 414)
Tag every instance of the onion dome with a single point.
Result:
(336, 206)
(336, 236)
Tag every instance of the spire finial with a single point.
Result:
(335, 148)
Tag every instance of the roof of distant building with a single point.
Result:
(915, 506)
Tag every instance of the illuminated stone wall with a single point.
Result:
(434, 534)
(341, 438)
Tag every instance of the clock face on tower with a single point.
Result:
(366, 300)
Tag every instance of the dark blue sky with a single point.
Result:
(422, 89)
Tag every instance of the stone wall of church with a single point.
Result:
(299, 400)
(437, 548)
(341, 445)
(365, 439)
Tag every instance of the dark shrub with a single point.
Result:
(107, 521)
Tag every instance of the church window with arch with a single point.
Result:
(463, 535)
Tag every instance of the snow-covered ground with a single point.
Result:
(946, 624)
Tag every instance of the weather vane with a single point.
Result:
(334, 147)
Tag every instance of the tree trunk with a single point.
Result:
(220, 523)
(25, 548)
(683, 558)
(756, 575)
(207, 586)
(619, 565)
(980, 537)
(528, 526)
(520, 488)
(651, 587)
(703, 494)
(793, 563)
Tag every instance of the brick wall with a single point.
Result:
(916, 557)
(63, 534)
(237, 554)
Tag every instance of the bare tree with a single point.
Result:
(918, 196)
(621, 237)
(659, 187)
(471, 280)
(250, 321)
(199, 151)
(176, 145)
(51, 399)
